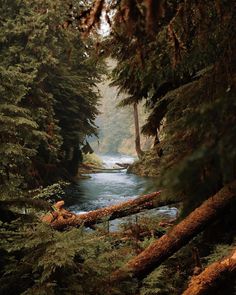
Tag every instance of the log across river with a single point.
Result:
(110, 187)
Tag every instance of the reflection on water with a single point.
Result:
(104, 189)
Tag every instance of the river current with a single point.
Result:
(108, 188)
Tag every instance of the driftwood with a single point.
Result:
(107, 170)
(90, 168)
(57, 213)
(123, 165)
(123, 209)
(209, 279)
(144, 263)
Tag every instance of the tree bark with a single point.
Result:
(123, 209)
(143, 264)
(208, 280)
(137, 132)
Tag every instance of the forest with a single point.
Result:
(172, 95)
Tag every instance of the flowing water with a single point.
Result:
(108, 188)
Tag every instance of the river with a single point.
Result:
(104, 189)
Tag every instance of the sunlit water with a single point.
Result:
(104, 189)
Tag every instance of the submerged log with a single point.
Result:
(123, 209)
(108, 170)
(123, 165)
(143, 264)
(208, 280)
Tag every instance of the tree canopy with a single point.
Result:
(177, 57)
(48, 94)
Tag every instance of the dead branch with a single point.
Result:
(143, 264)
(209, 279)
(123, 209)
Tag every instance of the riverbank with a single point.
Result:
(147, 166)
(93, 163)
(109, 187)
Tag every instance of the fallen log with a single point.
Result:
(57, 212)
(123, 165)
(144, 263)
(123, 209)
(209, 279)
(101, 170)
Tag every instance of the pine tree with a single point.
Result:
(47, 82)
(181, 54)
(19, 131)
(73, 84)
(49, 73)
(179, 57)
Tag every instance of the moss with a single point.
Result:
(147, 166)
(92, 160)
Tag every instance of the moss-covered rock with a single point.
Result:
(148, 165)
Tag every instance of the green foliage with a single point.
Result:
(37, 259)
(92, 159)
(219, 252)
(155, 283)
(48, 100)
(202, 157)
(48, 105)
(184, 68)
(55, 262)
(49, 193)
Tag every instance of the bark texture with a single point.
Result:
(143, 264)
(123, 209)
(137, 132)
(208, 280)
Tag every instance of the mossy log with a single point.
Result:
(143, 264)
(123, 209)
(208, 280)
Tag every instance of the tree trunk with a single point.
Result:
(156, 140)
(116, 211)
(137, 133)
(143, 264)
(207, 281)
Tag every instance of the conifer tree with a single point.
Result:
(49, 74)
(178, 55)
(19, 134)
